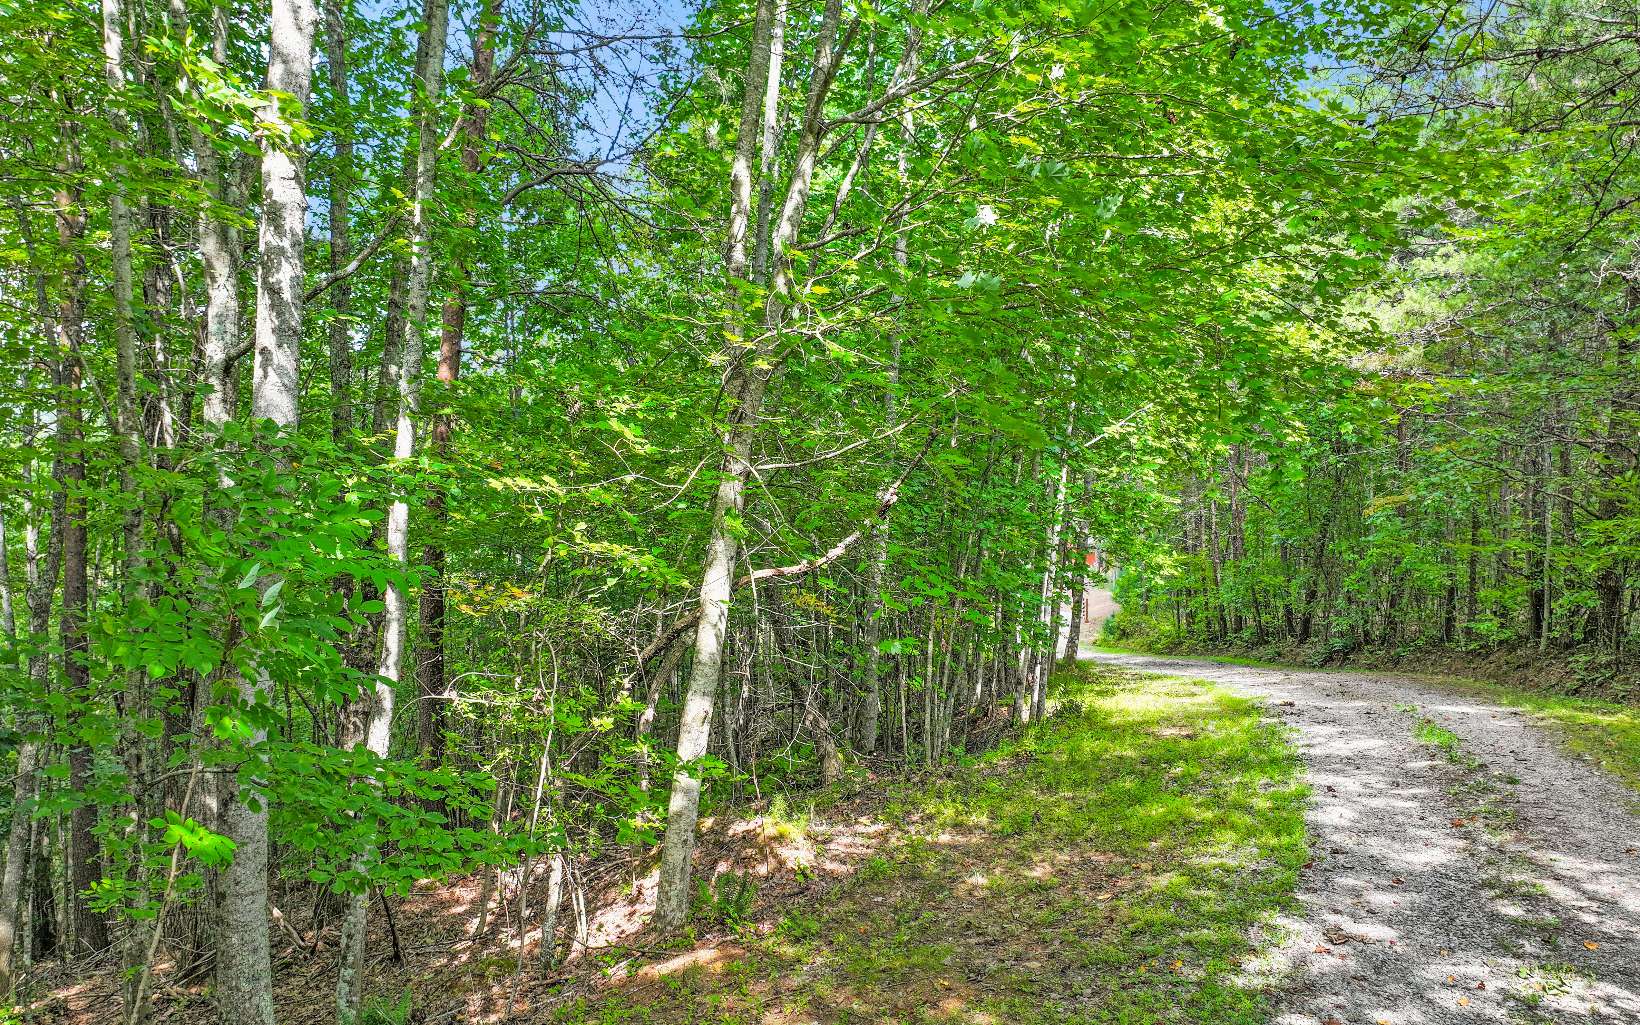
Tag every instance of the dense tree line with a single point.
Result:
(468, 437)
(1472, 482)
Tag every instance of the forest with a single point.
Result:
(469, 468)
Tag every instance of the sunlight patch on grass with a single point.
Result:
(1107, 865)
(1605, 732)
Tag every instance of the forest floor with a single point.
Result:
(1183, 841)
(1110, 865)
(1467, 865)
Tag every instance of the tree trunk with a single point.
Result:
(17, 855)
(218, 249)
(378, 729)
(746, 385)
(430, 665)
(747, 388)
(244, 970)
(8, 614)
(84, 856)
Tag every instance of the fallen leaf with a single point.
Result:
(1451, 979)
(1457, 822)
(1397, 881)
(1591, 945)
(1323, 950)
(1463, 1001)
(1480, 985)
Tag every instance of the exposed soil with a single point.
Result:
(1466, 868)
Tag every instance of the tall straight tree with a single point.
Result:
(430, 666)
(745, 387)
(429, 84)
(244, 952)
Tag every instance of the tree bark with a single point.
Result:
(244, 969)
(748, 384)
(84, 859)
(379, 723)
(430, 665)
(746, 389)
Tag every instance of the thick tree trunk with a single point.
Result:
(244, 969)
(126, 426)
(84, 855)
(218, 248)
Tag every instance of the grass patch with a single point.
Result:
(1106, 866)
(1429, 732)
(1605, 732)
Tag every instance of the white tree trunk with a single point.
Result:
(125, 335)
(1048, 609)
(244, 968)
(717, 575)
(379, 720)
(219, 249)
(747, 386)
(547, 953)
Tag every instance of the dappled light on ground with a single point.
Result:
(1464, 868)
(1108, 867)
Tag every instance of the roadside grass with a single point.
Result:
(1604, 732)
(1109, 865)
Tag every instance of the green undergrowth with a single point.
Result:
(1107, 866)
(1604, 732)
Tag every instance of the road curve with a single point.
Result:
(1492, 880)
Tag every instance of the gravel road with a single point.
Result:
(1490, 878)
